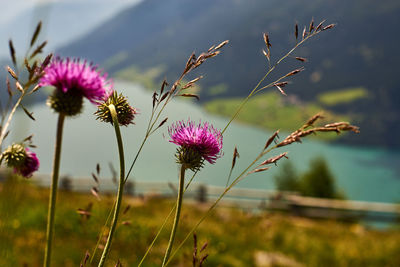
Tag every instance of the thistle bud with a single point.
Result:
(190, 158)
(14, 155)
(21, 159)
(69, 103)
(125, 113)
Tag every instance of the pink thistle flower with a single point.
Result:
(73, 75)
(30, 165)
(204, 140)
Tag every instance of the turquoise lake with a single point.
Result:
(370, 174)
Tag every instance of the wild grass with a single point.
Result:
(235, 237)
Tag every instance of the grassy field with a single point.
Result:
(343, 96)
(235, 237)
(284, 113)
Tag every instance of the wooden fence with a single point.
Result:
(249, 199)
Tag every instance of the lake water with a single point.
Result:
(362, 173)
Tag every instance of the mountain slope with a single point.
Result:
(359, 52)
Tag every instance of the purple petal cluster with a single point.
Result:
(72, 74)
(205, 139)
(31, 164)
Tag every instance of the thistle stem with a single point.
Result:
(177, 214)
(53, 191)
(120, 186)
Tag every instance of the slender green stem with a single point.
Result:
(120, 187)
(177, 214)
(163, 224)
(53, 191)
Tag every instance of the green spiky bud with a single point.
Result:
(125, 112)
(69, 103)
(15, 156)
(190, 158)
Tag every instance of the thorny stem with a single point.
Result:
(120, 187)
(177, 214)
(53, 191)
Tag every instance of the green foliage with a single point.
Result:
(318, 181)
(343, 96)
(287, 179)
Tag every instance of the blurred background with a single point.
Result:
(351, 74)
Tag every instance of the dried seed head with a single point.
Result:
(38, 49)
(221, 45)
(190, 95)
(162, 122)
(266, 54)
(296, 31)
(293, 72)
(273, 159)
(319, 26)
(259, 170)
(12, 73)
(330, 26)
(302, 59)
(12, 52)
(311, 27)
(235, 156)
(280, 90)
(36, 33)
(9, 90)
(313, 119)
(266, 40)
(271, 139)
(164, 83)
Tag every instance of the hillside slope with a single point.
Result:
(359, 52)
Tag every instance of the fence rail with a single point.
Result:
(250, 199)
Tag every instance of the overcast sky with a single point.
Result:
(10, 8)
